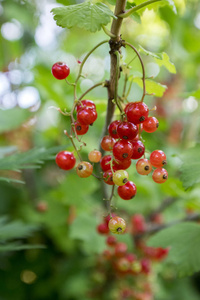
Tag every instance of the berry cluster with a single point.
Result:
(123, 141)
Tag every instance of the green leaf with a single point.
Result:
(162, 59)
(172, 5)
(184, 242)
(15, 246)
(30, 159)
(152, 87)
(11, 180)
(15, 229)
(190, 169)
(136, 17)
(196, 94)
(85, 15)
(13, 118)
(7, 150)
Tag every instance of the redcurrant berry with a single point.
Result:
(127, 130)
(107, 143)
(86, 115)
(158, 158)
(150, 124)
(60, 70)
(112, 129)
(94, 156)
(121, 164)
(84, 169)
(138, 149)
(122, 150)
(139, 224)
(80, 128)
(103, 228)
(137, 112)
(143, 166)
(117, 225)
(105, 162)
(120, 177)
(85, 103)
(65, 160)
(108, 177)
(160, 175)
(122, 265)
(127, 191)
(120, 249)
(111, 241)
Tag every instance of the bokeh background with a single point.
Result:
(59, 210)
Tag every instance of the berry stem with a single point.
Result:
(142, 64)
(116, 85)
(135, 8)
(74, 145)
(103, 84)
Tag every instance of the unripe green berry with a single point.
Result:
(117, 225)
(120, 177)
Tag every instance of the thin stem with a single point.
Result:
(72, 141)
(142, 64)
(69, 83)
(103, 83)
(110, 34)
(125, 84)
(135, 8)
(116, 85)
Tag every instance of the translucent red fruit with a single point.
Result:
(112, 129)
(127, 191)
(103, 228)
(150, 124)
(80, 128)
(117, 225)
(143, 166)
(138, 223)
(85, 103)
(108, 177)
(94, 156)
(117, 164)
(65, 160)
(60, 70)
(111, 241)
(84, 169)
(138, 149)
(137, 112)
(122, 150)
(160, 175)
(86, 115)
(107, 143)
(158, 158)
(120, 249)
(127, 130)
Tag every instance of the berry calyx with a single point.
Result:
(127, 130)
(65, 160)
(127, 191)
(150, 124)
(80, 128)
(138, 149)
(60, 70)
(85, 103)
(86, 115)
(143, 166)
(137, 112)
(94, 156)
(120, 177)
(107, 143)
(117, 225)
(122, 150)
(158, 158)
(160, 175)
(84, 169)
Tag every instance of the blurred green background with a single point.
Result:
(30, 42)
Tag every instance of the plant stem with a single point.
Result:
(142, 64)
(116, 86)
(135, 8)
(103, 83)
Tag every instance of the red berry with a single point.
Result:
(127, 107)
(80, 128)
(85, 103)
(121, 164)
(120, 249)
(111, 241)
(108, 217)
(105, 162)
(131, 257)
(65, 160)
(86, 115)
(143, 166)
(122, 150)
(60, 70)
(107, 143)
(138, 149)
(150, 124)
(127, 130)
(158, 158)
(112, 129)
(94, 156)
(127, 191)
(138, 222)
(137, 112)
(160, 175)
(84, 169)
(156, 253)
(103, 228)
(117, 225)
(108, 177)
(42, 206)
(146, 265)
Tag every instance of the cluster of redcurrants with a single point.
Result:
(137, 266)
